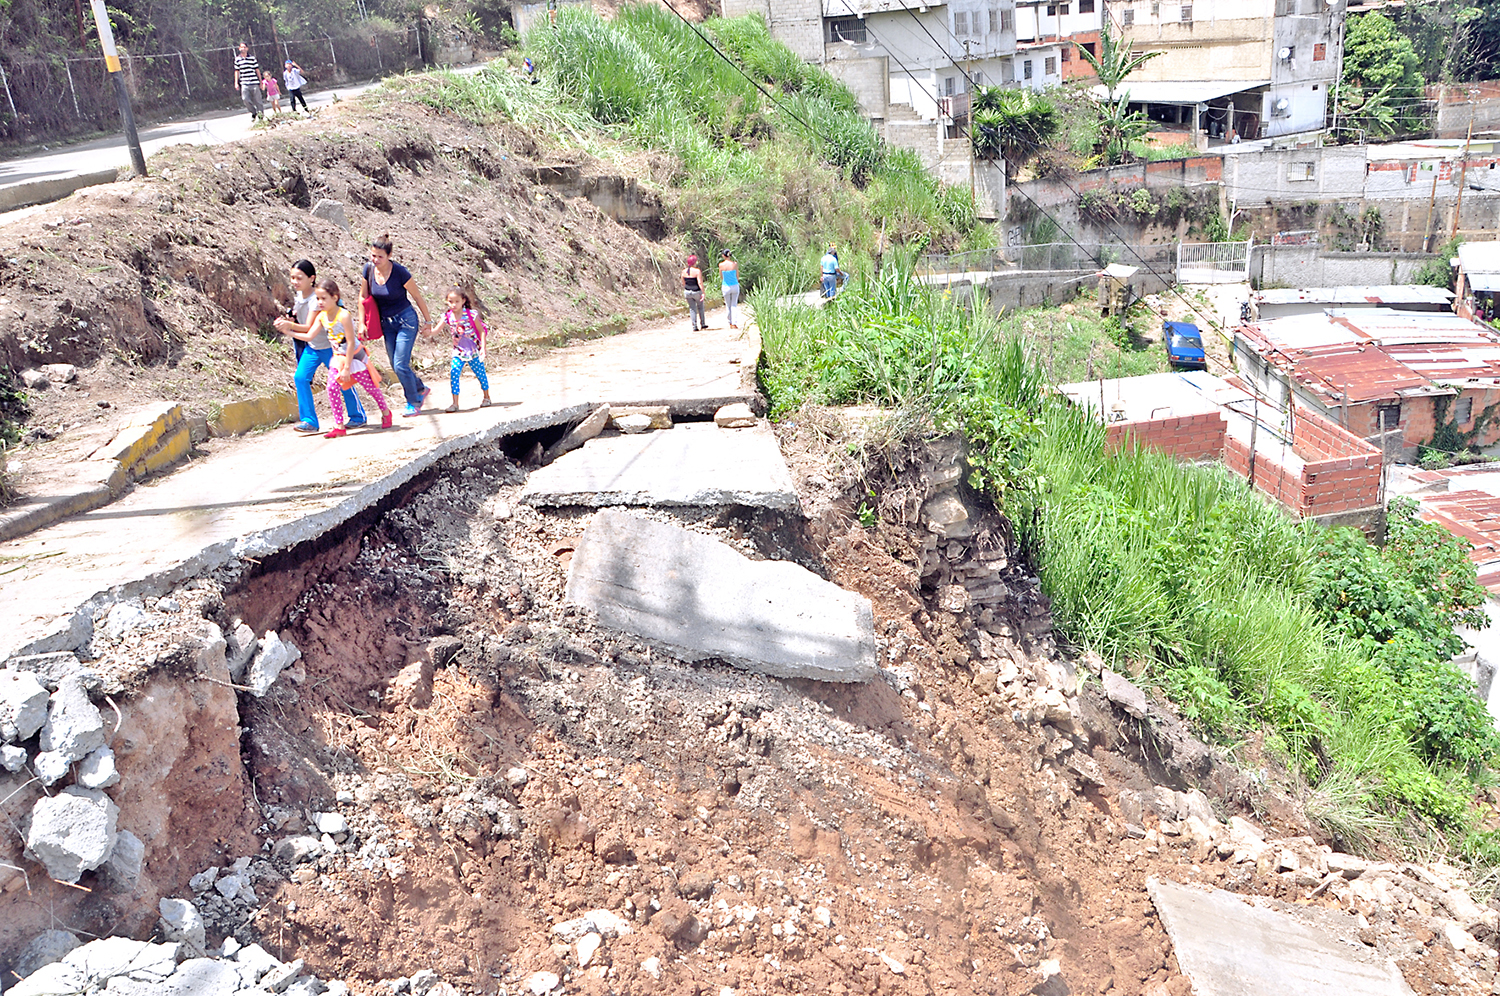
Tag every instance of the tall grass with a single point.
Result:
(1177, 569)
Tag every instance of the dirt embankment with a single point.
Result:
(165, 287)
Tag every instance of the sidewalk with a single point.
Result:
(268, 492)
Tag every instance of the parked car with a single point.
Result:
(1184, 346)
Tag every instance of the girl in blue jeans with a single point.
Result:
(313, 351)
(398, 299)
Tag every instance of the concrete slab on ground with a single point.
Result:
(693, 463)
(1230, 948)
(263, 493)
(697, 598)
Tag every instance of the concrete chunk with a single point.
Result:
(12, 758)
(1228, 947)
(202, 977)
(735, 416)
(74, 725)
(274, 655)
(72, 832)
(698, 598)
(331, 211)
(239, 648)
(23, 705)
(97, 769)
(692, 465)
(125, 862)
(181, 922)
(593, 423)
(1124, 694)
(45, 948)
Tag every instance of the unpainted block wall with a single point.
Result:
(1190, 437)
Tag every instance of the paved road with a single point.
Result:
(206, 129)
(266, 492)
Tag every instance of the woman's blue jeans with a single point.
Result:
(307, 368)
(400, 338)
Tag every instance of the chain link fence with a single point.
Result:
(54, 96)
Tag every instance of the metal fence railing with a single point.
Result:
(1213, 262)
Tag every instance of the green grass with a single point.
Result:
(1249, 621)
(1079, 346)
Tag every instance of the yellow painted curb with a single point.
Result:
(240, 417)
(153, 433)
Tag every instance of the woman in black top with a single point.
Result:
(692, 289)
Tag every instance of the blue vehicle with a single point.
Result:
(1184, 346)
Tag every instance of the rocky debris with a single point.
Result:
(1124, 694)
(72, 832)
(180, 921)
(23, 705)
(12, 758)
(35, 380)
(43, 949)
(295, 850)
(541, 983)
(125, 967)
(735, 416)
(60, 373)
(592, 424)
(632, 424)
(331, 211)
(97, 769)
(698, 598)
(240, 647)
(659, 416)
(273, 656)
(124, 618)
(74, 726)
(123, 869)
(412, 685)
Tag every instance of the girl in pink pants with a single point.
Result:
(348, 366)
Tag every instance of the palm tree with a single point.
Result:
(1013, 124)
(1118, 126)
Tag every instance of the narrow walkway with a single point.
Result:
(277, 489)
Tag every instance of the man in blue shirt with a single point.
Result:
(831, 272)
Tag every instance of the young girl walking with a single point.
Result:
(469, 339)
(349, 358)
(273, 91)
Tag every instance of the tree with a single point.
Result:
(1382, 90)
(1012, 123)
(1118, 125)
(1114, 62)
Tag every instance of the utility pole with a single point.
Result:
(969, 82)
(112, 63)
(1463, 175)
(1431, 203)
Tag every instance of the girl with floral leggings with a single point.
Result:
(469, 335)
(348, 366)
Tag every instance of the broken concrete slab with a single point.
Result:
(97, 769)
(72, 832)
(1228, 947)
(660, 416)
(45, 948)
(274, 656)
(74, 725)
(692, 464)
(123, 868)
(23, 705)
(591, 426)
(735, 416)
(698, 598)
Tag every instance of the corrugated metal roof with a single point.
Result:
(1388, 294)
(1474, 516)
(1365, 354)
(1481, 264)
(1180, 91)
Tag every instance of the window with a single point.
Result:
(1186, 16)
(846, 29)
(1155, 8)
(1085, 6)
(1007, 72)
(1464, 410)
(960, 22)
(1089, 48)
(1062, 9)
(1320, 52)
(1387, 418)
(1286, 8)
(994, 22)
(1301, 171)
(1007, 20)
(1049, 66)
(949, 83)
(1052, 10)
(1067, 53)
(1026, 69)
(977, 78)
(1127, 17)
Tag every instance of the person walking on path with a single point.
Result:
(729, 273)
(831, 272)
(470, 336)
(295, 81)
(692, 289)
(397, 299)
(349, 366)
(247, 78)
(272, 91)
(313, 351)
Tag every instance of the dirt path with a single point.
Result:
(258, 494)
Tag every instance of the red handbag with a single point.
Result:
(371, 314)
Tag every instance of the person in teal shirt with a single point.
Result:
(729, 273)
(831, 272)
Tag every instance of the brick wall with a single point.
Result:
(1190, 437)
(1341, 471)
(1271, 478)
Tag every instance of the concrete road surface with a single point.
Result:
(212, 128)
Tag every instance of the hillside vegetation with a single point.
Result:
(763, 154)
(1307, 651)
